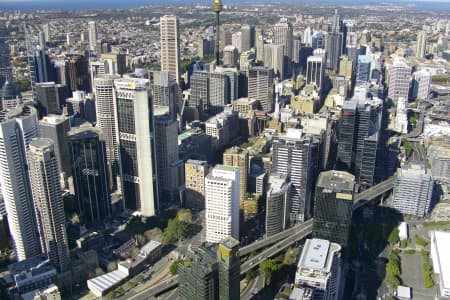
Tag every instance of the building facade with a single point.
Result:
(413, 190)
(170, 46)
(333, 207)
(137, 154)
(48, 202)
(222, 203)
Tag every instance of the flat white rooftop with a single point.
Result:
(315, 253)
(441, 244)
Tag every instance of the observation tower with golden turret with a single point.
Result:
(217, 8)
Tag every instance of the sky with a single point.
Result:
(80, 4)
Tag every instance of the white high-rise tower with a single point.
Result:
(105, 105)
(17, 128)
(92, 36)
(48, 202)
(222, 203)
(170, 46)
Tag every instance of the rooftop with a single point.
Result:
(229, 243)
(106, 281)
(441, 241)
(336, 180)
(414, 169)
(315, 253)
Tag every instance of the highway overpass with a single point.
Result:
(277, 242)
(255, 246)
(301, 231)
(377, 190)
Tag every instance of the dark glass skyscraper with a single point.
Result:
(359, 133)
(206, 277)
(333, 206)
(90, 176)
(199, 278)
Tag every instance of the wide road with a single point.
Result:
(254, 288)
(255, 246)
(277, 248)
(156, 290)
(306, 229)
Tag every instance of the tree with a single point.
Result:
(393, 281)
(407, 146)
(392, 269)
(23, 85)
(250, 275)
(174, 231)
(267, 267)
(393, 236)
(184, 65)
(174, 267)
(185, 215)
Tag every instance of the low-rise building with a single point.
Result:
(440, 249)
(31, 274)
(50, 292)
(101, 285)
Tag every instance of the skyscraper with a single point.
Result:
(166, 152)
(136, 154)
(421, 85)
(230, 56)
(46, 30)
(199, 279)
(49, 96)
(210, 91)
(105, 106)
(277, 204)
(92, 35)
(399, 77)
(48, 202)
(17, 128)
(334, 50)
(260, 86)
(335, 41)
(413, 190)
(165, 91)
(236, 41)
(315, 69)
(238, 157)
(283, 36)
(293, 157)
(209, 275)
(296, 47)
(222, 203)
(5, 63)
(248, 37)
(79, 77)
(90, 173)
(229, 262)
(359, 134)
(55, 128)
(259, 43)
(333, 207)
(363, 68)
(170, 46)
(421, 44)
(274, 59)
